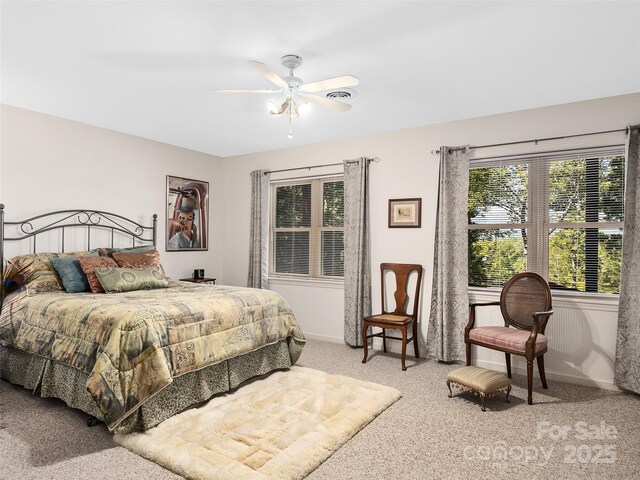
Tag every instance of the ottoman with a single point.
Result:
(480, 381)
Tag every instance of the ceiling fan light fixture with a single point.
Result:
(274, 108)
(303, 106)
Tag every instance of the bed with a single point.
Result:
(134, 359)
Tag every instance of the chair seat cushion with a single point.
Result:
(505, 337)
(389, 318)
(478, 380)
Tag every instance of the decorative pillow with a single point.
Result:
(139, 260)
(89, 264)
(116, 280)
(73, 277)
(10, 285)
(35, 272)
(82, 253)
(108, 252)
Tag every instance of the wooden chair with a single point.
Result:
(397, 319)
(525, 303)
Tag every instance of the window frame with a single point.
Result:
(315, 230)
(538, 223)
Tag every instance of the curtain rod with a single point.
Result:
(374, 159)
(545, 153)
(535, 140)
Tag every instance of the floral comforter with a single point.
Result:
(132, 345)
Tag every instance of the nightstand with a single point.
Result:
(209, 281)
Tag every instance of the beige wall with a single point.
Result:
(47, 163)
(582, 339)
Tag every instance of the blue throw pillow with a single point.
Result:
(73, 277)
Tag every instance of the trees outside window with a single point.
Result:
(307, 229)
(560, 215)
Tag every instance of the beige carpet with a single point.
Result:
(282, 426)
(423, 436)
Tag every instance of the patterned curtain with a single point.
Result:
(449, 296)
(357, 266)
(627, 370)
(258, 240)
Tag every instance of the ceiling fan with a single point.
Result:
(295, 95)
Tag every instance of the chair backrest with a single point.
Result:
(522, 296)
(401, 294)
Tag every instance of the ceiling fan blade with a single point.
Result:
(266, 71)
(328, 102)
(331, 83)
(247, 91)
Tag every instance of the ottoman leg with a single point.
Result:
(508, 392)
(449, 386)
(482, 399)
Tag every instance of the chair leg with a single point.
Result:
(384, 340)
(530, 380)
(365, 343)
(541, 370)
(404, 347)
(415, 339)
(508, 357)
(468, 354)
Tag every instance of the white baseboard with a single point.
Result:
(323, 338)
(394, 347)
(560, 377)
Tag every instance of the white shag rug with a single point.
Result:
(280, 427)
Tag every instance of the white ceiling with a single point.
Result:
(148, 68)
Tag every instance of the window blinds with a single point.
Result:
(332, 230)
(292, 228)
(560, 215)
(307, 233)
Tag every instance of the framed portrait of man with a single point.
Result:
(187, 214)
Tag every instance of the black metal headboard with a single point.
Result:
(73, 219)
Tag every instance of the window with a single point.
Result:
(307, 228)
(560, 215)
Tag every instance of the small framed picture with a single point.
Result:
(405, 212)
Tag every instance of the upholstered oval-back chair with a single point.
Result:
(525, 303)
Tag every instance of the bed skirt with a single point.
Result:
(49, 378)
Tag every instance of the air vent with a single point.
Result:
(339, 95)
(342, 95)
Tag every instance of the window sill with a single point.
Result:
(307, 282)
(586, 301)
